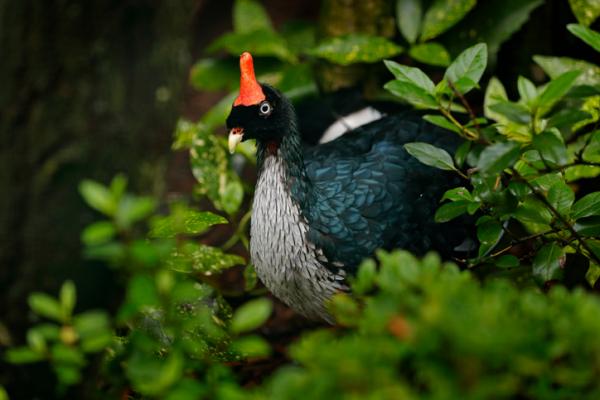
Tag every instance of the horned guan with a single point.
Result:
(319, 210)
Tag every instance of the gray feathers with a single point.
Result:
(285, 260)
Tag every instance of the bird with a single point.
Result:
(319, 210)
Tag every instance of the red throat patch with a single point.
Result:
(250, 91)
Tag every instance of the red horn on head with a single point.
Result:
(250, 91)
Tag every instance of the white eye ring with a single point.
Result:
(265, 108)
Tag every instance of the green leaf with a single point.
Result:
(141, 295)
(22, 355)
(494, 93)
(259, 43)
(210, 162)
(3, 393)
(556, 66)
(442, 122)
(212, 74)
(430, 155)
(411, 75)
(299, 35)
(213, 118)
(344, 308)
(232, 196)
(415, 95)
(510, 111)
(98, 233)
(496, 157)
(184, 221)
(449, 211)
(93, 328)
(546, 181)
(356, 48)
(581, 172)
(250, 277)
(586, 206)
(547, 264)
(97, 343)
(466, 71)
(186, 389)
(36, 341)
(64, 354)
(365, 277)
(68, 298)
(111, 252)
(527, 90)
(196, 257)
(551, 147)
(489, 232)
(118, 184)
(89, 323)
(458, 193)
(594, 246)
(491, 22)
(566, 119)
(45, 306)
(152, 376)
(588, 226)
(555, 90)
(251, 346)
(50, 331)
(519, 189)
(98, 197)
(531, 210)
(251, 315)
(409, 14)
(395, 267)
(507, 261)
(462, 153)
(591, 153)
(430, 53)
(442, 15)
(592, 274)
(132, 209)
(587, 35)
(67, 375)
(586, 11)
(297, 82)
(561, 196)
(250, 16)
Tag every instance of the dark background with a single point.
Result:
(89, 88)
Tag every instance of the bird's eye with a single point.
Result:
(265, 108)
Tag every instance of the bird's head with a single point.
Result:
(259, 112)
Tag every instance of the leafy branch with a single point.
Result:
(564, 222)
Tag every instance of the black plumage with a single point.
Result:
(368, 192)
(320, 210)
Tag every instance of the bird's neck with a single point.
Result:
(288, 152)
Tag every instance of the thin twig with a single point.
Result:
(466, 132)
(239, 232)
(465, 103)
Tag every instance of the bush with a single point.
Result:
(432, 331)
(411, 328)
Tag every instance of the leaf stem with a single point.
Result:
(465, 103)
(239, 232)
(467, 133)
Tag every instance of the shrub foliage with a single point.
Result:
(505, 323)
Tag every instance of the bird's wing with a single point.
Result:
(368, 192)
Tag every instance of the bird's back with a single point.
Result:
(368, 192)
